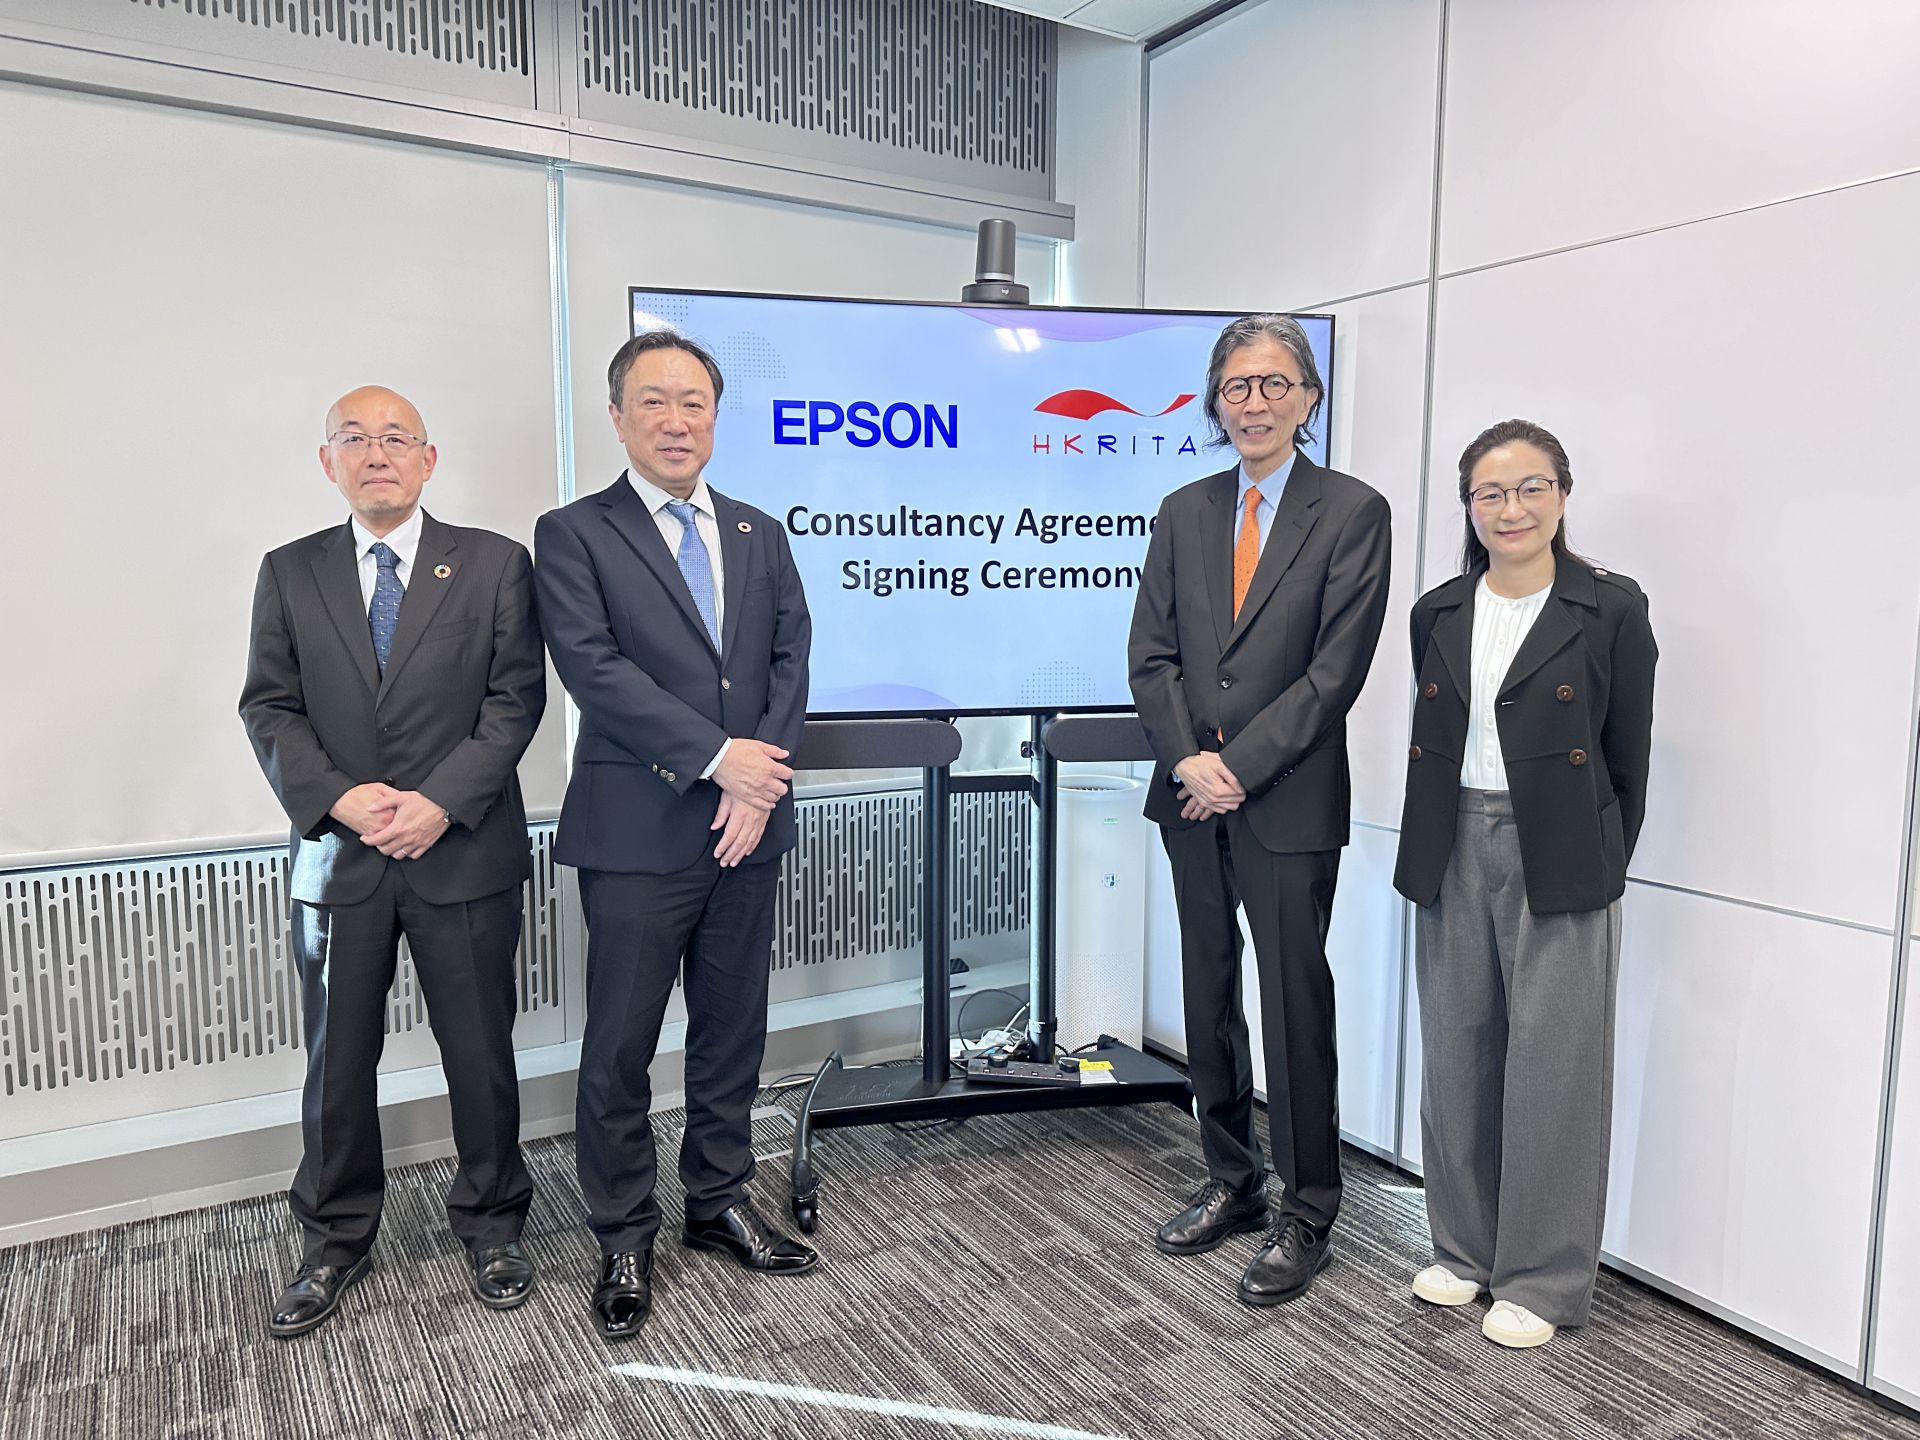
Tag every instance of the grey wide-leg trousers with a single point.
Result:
(1516, 1106)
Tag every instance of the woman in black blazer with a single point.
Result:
(1526, 786)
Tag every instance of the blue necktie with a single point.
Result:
(696, 566)
(384, 614)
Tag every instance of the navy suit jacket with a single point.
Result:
(462, 694)
(656, 699)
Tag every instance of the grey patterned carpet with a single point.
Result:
(932, 1244)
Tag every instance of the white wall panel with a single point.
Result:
(1100, 165)
(1379, 379)
(1746, 1108)
(1363, 945)
(632, 232)
(1571, 122)
(1290, 155)
(1896, 1348)
(1410, 1147)
(1736, 399)
(175, 327)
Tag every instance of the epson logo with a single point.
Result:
(865, 424)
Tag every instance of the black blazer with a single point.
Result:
(463, 692)
(655, 699)
(1279, 679)
(1575, 717)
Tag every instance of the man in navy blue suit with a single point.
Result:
(676, 621)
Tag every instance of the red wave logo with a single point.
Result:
(1085, 404)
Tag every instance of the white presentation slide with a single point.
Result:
(968, 491)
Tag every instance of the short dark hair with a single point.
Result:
(1508, 432)
(1245, 331)
(646, 340)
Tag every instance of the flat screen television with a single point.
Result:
(968, 490)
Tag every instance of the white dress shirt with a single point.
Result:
(707, 526)
(1499, 625)
(403, 540)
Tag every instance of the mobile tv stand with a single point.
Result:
(883, 1094)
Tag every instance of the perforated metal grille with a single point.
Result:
(483, 50)
(490, 34)
(111, 972)
(139, 987)
(852, 886)
(944, 78)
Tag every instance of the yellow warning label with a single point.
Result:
(1096, 1064)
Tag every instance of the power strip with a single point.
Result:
(1019, 1072)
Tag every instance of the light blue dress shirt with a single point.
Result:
(1271, 490)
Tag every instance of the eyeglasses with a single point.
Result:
(1272, 387)
(1494, 497)
(354, 443)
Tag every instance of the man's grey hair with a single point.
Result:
(1245, 331)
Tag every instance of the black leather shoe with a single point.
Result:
(312, 1295)
(740, 1232)
(1286, 1264)
(1216, 1213)
(625, 1293)
(502, 1275)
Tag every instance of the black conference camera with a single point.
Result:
(993, 282)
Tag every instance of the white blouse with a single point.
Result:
(1499, 625)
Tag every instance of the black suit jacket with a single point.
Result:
(1575, 717)
(463, 692)
(1279, 680)
(656, 700)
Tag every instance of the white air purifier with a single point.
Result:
(1100, 914)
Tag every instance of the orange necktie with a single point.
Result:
(1246, 550)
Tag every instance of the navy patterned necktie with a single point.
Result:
(383, 615)
(697, 566)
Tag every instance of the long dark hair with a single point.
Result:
(1245, 331)
(1472, 552)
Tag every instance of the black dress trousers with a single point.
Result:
(1219, 865)
(638, 929)
(463, 954)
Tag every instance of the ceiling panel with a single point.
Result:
(1124, 19)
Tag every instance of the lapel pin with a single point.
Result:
(441, 572)
(745, 528)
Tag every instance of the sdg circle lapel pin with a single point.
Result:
(441, 572)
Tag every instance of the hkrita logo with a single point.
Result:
(1084, 405)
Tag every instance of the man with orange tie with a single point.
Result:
(1255, 623)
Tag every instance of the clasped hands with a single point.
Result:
(400, 824)
(1207, 787)
(752, 781)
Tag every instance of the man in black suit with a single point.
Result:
(1255, 623)
(677, 623)
(395, 679)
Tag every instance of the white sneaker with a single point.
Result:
(1515, 1326)
(1437, 1285)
